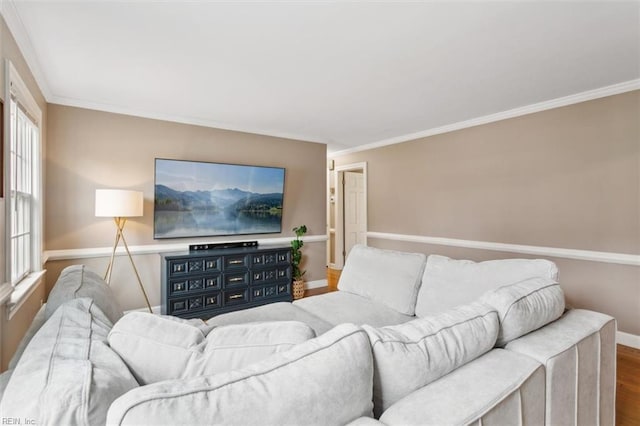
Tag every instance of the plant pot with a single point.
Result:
(298, 289)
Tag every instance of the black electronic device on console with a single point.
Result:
(215, 246)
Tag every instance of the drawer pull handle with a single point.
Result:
(235, 280)
(236, 296)
(236, 262)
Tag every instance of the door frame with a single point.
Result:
(338, 173)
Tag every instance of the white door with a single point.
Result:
(355, 221)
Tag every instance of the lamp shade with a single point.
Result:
(119, 203)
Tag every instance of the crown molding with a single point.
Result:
(601, 92)
(11, 16)
(59, 100)
(9, 11)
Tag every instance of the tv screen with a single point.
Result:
(200, 199)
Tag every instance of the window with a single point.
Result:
(24, 139)
(23, 217)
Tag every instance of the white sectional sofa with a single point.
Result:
(407, 340)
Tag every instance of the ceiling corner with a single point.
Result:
(9, 11)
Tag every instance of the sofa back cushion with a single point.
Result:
(525, 306)
(80, 281)
(448, 282)
(414, 354)
(323, 381)
(68, 375)
(157, 348)
(386, 276)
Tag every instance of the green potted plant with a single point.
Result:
(296, 259)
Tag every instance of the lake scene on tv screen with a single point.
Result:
(199, 199)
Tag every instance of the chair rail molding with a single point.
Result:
(90, 252)
(588, 255)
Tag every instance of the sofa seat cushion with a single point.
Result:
(157, 348)
(525, 306)
(326, 380)
(495, 389)
(448, 282)
(280, 311)
(412, 355)
(79, 281)
(389, 277)
(338, 307)
(68, 374)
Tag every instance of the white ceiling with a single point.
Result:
(341, 73)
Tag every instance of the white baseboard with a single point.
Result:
(315, 284)
(627, 339)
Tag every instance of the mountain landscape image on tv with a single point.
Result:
(201, 199)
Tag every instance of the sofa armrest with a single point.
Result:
(4, 380)
(579, 354)
(499, 388)
(38, 320)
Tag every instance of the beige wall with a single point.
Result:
(91, 149)
(565, 178)
(11, 331)
(15, 328)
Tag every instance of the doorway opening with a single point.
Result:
(347, 211)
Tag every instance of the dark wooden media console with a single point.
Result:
(201, 284)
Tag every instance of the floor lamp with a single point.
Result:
(120, 204)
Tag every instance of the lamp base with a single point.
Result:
(120, 222)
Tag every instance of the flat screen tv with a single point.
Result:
(200, 199)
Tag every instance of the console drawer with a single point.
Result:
(236, 261)
(212, 300)
(185, 305)
(193, 266)
(212, 264)
(273, 258)
(259, 293)
(237, 279)
(272, 274)
(284, 289)
(258, 277)
(236, 297)
(177, 287)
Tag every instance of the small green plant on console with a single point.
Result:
(296, 255)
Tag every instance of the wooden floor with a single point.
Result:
(628, 371)
(332, 278)
(628, 387)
